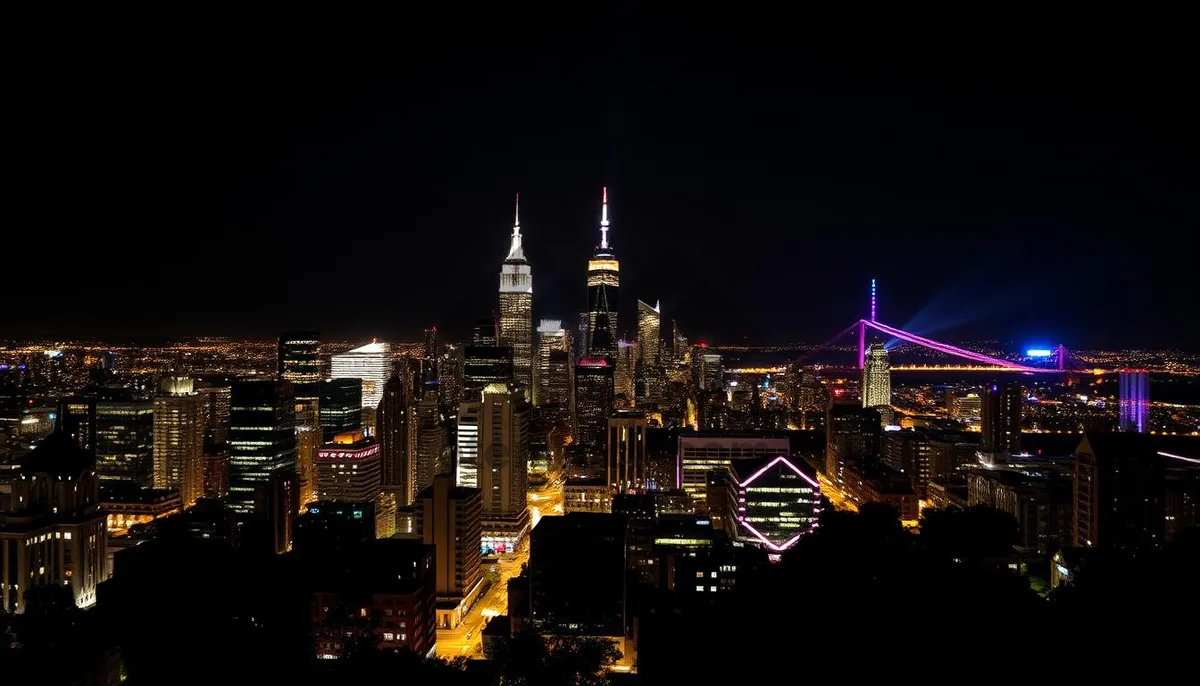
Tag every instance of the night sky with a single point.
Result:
(1039, 190)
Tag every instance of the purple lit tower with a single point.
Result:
(1134, 400)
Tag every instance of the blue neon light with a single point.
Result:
(1039, 352)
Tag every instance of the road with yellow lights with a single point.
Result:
(466, 640)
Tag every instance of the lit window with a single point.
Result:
(389, 636)
(699, 575)
(713, 589)
(714, 575)
(67, 535)
(700, 589)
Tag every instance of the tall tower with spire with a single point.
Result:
(516, 306)
(603, 282)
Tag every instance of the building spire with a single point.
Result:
(516, 251)
(604, 219)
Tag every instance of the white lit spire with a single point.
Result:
(604, 220)
(516, 251)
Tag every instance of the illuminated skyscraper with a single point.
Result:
(516, 308)
(467, 448)
(372, 363)
(179, 440)
(1134, 400)
(432, 456)
(593, 400)
(299, 362)
(393, 420)
(626, 465)
(876, 378)
(551, 337)
(262, 438)
(649, 333)
(623, 375)
(1001, 423)
(603, 281)
(503, 462)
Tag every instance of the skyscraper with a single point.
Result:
(393, 424)
(1134, 401)
(593, 400)
(1001, 423)
(603, 281)
(125, 439)
(516, 307)
(340, 407)
(262, 437)
(551, 337)
(503, 462)
(623, 374)
(467, 448)
(876, 378)
(431, 453)
(626, 464)
(179, 440)
(449, 518)
(372, 363)
(300, 363)
(649, 333)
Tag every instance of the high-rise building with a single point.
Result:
(262, 437)
(485, 365)
(516, 308)
(603, 281)
(431, 453)
(593, 400)
(1134, 400)
(551, 337)
(623, 374)
(626, 464)
(503, 463)
(1001, 423)
(56, 534)
(77, 419)
(851, 440)
(348, 469)
(431, 347)
(467, 448)
(372, 363)
(299, 362)
(649, 354)
(393, 424)
(340, 407)
(308, 441)
(215, 400)
(450, 376)
(450, 518)
(125, 440)
(179, 440)
(705, 451)
(876, 378)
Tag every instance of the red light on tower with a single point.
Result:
(702, 344)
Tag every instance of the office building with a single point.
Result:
(262, 437)
(852, 435)
(393, 424)
(215, 401)
(625, 467)
(77, 419)
(372, 363)
(581, 550)
(503, 462)
(624, 375)
(777, 500)
(1001, 422)
(649, 354)
(179, 440)
(432, 457)
(1134, 401)
(552, 337)
(484, 365)
(340, 407)
(55, 533)
(467, 448)
(299, 362)
(877, 378)
(125, 439)
(701, 452)
(348, 469)
(450, 518)
(593, 400)
(516, 308)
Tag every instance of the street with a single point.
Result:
(466, 640)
